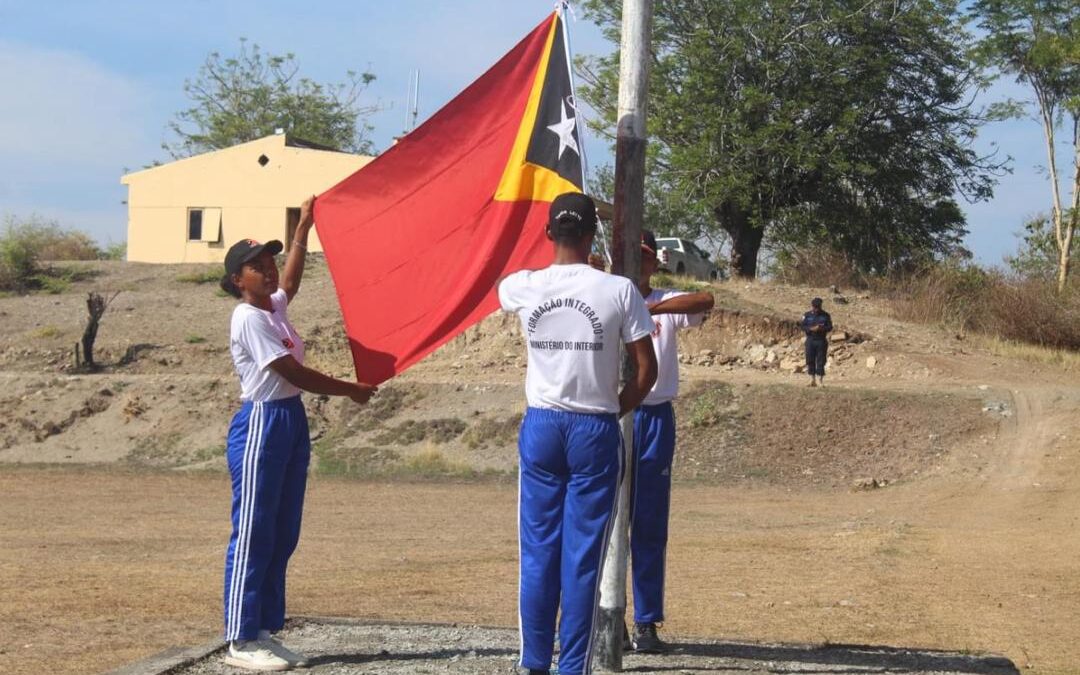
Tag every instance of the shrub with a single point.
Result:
(1031, 310)
(816, 266)
(24, 244)
(116, 251)
(19, 262)
(969, 298)
(49, 241)
(950, 294)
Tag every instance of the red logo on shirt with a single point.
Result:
(656, 331)
(288, 343)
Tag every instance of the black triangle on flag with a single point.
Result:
(555, 142)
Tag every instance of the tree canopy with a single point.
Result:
(844, 123)
(252, 94)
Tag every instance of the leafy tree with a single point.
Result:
(1038, 256)
(250, 95)
(1038, 42)
(844, 122)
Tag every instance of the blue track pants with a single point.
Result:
(268, 452)
(654, 450)
(569, 479)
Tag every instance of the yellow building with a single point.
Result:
(193, 209)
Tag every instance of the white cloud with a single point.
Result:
(68, 127)
(60, 108)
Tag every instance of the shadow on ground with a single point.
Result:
(348, 647)
(832, 658)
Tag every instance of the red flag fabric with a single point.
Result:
(417, 239)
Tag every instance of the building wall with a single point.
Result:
(253, 198)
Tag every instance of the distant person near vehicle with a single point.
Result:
(654, 448)
(574, 319)
(268, 447)
(817, 324)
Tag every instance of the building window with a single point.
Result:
(204, 224)
(194, 225)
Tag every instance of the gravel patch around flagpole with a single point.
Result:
(341, 646)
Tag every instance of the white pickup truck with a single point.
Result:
(682, 256)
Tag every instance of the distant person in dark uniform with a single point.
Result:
(816, 324)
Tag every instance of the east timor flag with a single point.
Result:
(417, 239)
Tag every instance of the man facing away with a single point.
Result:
(574, 319)
(817, 324)
(654, 447)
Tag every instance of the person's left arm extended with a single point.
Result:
(688, 303)
(294, 264)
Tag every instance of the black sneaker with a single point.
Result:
(646, 641)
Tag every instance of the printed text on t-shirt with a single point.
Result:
(567, 345)
(570, 303)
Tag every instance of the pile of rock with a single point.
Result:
(783, 355)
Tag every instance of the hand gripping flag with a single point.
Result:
(418, 238)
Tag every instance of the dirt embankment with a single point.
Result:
(165, 393)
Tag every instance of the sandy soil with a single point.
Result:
(114, 514)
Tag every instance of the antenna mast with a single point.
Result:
(412, 101)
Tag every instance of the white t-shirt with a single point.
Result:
(257, 339)
(574, 318)
(666, 346)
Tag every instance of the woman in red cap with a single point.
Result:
(268, 447)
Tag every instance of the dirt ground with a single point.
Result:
(924, 499)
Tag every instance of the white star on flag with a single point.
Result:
(565, 131)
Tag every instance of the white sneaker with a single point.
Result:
(274, 645)
(254, 655)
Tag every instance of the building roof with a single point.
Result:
(273, 141)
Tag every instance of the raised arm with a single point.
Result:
(689, 303)
(643, 356)
(294, 264)
(312, 380)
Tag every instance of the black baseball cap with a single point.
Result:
(572, 213)
(247, 250)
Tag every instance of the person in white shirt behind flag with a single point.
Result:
(574, 319)
(654, 447)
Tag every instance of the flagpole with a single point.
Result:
(626, 242)
(564, 10)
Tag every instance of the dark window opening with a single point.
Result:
(263, 160)
(194, 227)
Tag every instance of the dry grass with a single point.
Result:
(816, 266)
(971, 300)
(1065, 359)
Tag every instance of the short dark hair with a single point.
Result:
(229, 287)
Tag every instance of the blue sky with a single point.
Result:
(88, 87)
